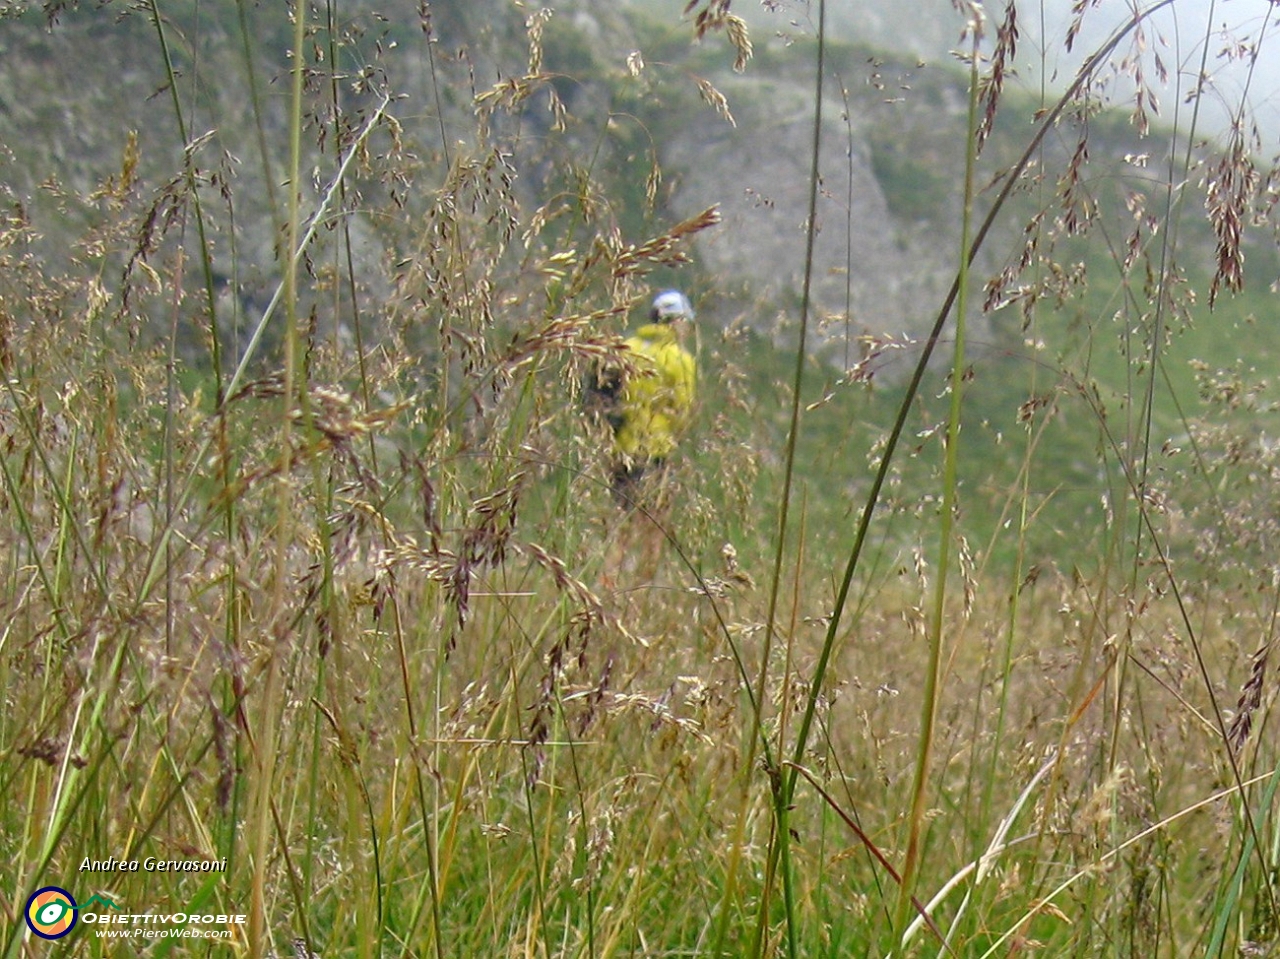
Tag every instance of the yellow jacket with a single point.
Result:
(657, 400)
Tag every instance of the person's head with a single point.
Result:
(670, 306)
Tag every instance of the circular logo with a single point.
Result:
(51, 912)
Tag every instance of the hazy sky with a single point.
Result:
(1179, 33)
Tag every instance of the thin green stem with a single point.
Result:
(265, 765)
(946, 523)
(781, 803)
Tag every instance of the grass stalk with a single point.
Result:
(946, 521)
(268, 714)
(781, 833)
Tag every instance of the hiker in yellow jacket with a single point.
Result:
(650, 408)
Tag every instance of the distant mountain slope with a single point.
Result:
(891, 156)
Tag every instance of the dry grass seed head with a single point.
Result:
(1229, 193)
(1250, 699)
(535, 25)
(716, 99)
(716, 16)
(667, 249)
(992, 84)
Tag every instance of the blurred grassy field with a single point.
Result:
(347, 602)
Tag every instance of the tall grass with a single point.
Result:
(323, 580)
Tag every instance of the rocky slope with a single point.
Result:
(71, 88)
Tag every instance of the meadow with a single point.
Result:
(959, 648)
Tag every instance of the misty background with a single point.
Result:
(1222, 36)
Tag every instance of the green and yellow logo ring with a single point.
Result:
(51, 912)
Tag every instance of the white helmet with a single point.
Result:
(671, 305)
